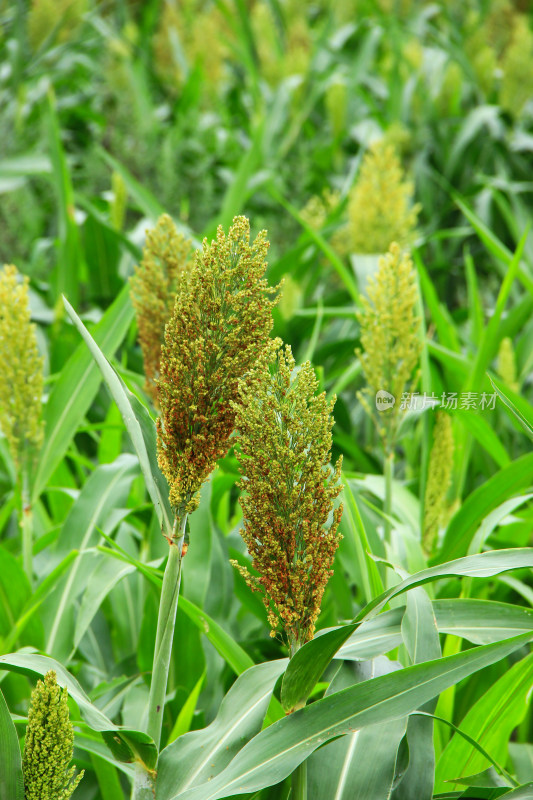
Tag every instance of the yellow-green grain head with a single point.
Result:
(21, 370)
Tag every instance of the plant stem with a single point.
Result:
(389, 475)
(165, 631)
(299, 782)
(26, 523)
(144, 787)
(299, 776)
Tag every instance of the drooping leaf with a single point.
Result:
(11, 783)
(490, 721)
(126, 744)
(274, 753)
(75, 390)
(125, 402)
(195, 757)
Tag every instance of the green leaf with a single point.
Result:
(524, 792)
(484, 434)
(36, 599)
(125, 743)
(504, 484)
(69, 260)
(371, 579)
(106, 488)
(105, 575)
(185, 717)
(76, 388)
(359, 765)
(525, 417)
(15, 594)
(363, 763)
(421, 638)
(125, 402)
(485, 565)
(277, 751)
(478, 621)
(308, 664)
(237, 658)
(490, 721)
(481, 621)
(11, 783)
(107, 777)
(195, 757)
(494, 245)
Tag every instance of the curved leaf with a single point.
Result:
(75, 390)
(484, 565)
(126, 744)
(11, 784)
(195, 757)
(277, 751)
(500, 487)
(140, 433)
(308, 664)
(490, 721)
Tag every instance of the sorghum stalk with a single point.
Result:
(165, 630)
(390, 351)
(218, 329)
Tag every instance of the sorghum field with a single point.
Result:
(266, 399)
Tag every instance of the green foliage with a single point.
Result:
(339, 127)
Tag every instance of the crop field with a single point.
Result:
(266, 399)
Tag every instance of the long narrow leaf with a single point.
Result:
(123, 398)
(276, 752)
(76, 388)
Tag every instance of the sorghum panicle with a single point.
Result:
(439, 479)
(49, 744)
(21, 370)
(390, 338)
(380, 209)
(289, 491)
(153, 291)
(220, 325)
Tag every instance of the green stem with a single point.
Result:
(144, 786)
(389, 475)
(299, 782)
(299, 776)
(26, 523)
(165, 631)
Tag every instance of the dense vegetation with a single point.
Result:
(388, 140)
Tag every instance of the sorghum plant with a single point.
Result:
(49, 744)
(220, 325)
(153, 291)
(21, 388)
(390, 349)
(438, 481)
(290, 489)
(390, 340)
(219, 328)
(380, 208)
